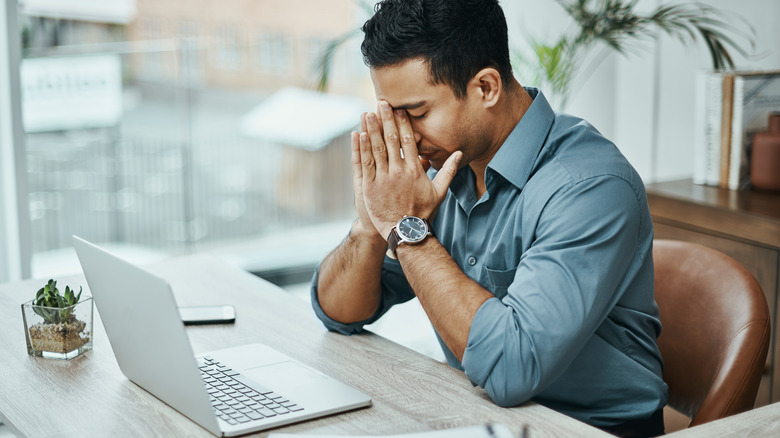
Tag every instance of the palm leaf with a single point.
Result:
(614, 21)
(326, 59)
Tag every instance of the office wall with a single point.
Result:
(678, 66)
(644, 101)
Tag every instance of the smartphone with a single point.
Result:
(194, 315)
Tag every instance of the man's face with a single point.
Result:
(442, 123)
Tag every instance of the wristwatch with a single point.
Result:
(409, 229)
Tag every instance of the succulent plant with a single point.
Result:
(49, 296)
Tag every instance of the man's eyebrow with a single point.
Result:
(410, 106)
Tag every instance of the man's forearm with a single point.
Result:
(450, 298)
(349, 287)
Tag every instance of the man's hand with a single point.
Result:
(392, 185)
(364, 224)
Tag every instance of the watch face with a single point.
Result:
(412, 229)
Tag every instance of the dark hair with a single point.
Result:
(456, 38)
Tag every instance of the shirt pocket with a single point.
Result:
(498, 280)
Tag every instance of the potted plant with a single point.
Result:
(58, 326)
(603, 26)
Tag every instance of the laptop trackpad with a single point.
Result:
(282, 375)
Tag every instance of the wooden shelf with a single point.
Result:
(747, 214)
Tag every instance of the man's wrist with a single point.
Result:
(368, 234)
(408, 249)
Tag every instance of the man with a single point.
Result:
(537, 274)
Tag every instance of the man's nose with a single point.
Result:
(417, 137)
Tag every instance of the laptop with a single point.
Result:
(228, 392)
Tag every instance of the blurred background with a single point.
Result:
(179, 126)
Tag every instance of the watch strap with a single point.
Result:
(392, 241)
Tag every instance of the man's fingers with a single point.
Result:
(408, 145)
(390, 131)
(357, 167)
(444, 177)
(377, 143)
(367, 163)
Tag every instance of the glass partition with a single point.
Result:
(160, 129)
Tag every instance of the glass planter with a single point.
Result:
(58, 333)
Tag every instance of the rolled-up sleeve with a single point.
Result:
(564, 287)
(395, 290)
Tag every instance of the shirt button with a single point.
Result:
(472, 261)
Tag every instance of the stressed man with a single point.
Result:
(528, 241)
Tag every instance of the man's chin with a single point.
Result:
(436, 164)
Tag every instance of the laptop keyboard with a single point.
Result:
(233, 399)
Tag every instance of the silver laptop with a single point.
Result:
(228, 392)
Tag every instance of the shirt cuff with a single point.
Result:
(481, 352)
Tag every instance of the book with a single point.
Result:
(727, 111)
(755, 95)
(707, 127)
(699, 137)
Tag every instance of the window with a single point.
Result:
(14, 224)
(274, 53)
(229, 49)
(315, 46)
(191, 38)
(135, 141)
(150, 29)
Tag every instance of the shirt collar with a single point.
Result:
(516, 158)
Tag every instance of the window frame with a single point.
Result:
(16, 250)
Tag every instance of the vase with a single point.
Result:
(58, 333)
(765, 156)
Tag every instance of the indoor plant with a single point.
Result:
(603, 26)
(58, 325)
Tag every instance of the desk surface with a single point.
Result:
(89, 396)
(759, 422)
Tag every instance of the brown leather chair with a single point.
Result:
(715, 334)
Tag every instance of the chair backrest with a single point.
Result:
(715, 333)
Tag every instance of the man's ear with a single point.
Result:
(488, 86)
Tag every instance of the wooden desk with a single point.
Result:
(89, 396)
(743, 224)
(759, 422)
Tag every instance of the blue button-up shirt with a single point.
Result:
(563, 239)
